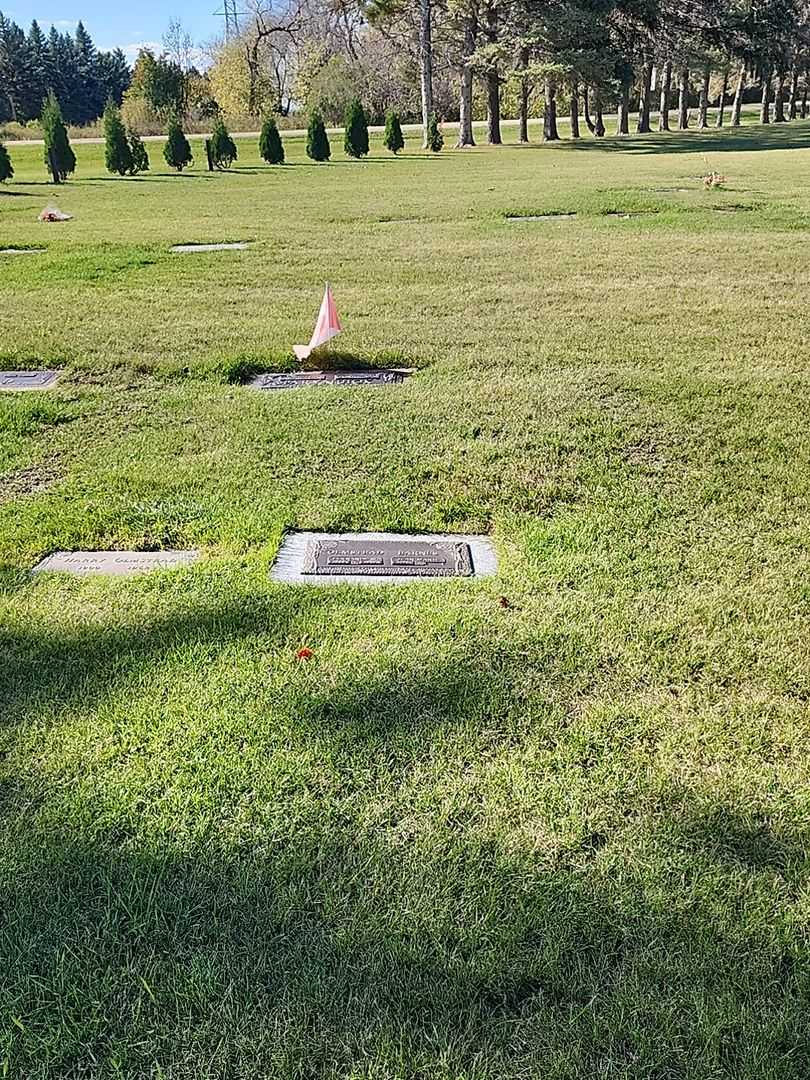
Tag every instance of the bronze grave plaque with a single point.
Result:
(389, 558)
(297, 379)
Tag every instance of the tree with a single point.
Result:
(140, 158)
(160, 82)
(88, 102)
(435, 139)
(318, 148)
(393, 139)
(223, 148)
(59, 157)
(355, 141)
(114, 75)
(6, 169)
(14, 72)
(177, 151)
(468, 33)
(270, 145)
(117, 152)
(421, 12)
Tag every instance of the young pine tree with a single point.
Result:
(435, 139)
(6, 170)
(140, 158)
(59, 158)
(270, 146)
(117, 151)
(177, 152)
(355, 141)
(223, 148)
(393, 139)
(318, 148)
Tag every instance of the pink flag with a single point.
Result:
(327, 326)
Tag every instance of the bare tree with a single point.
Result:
(178, 45)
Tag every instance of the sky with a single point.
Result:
(127, 25)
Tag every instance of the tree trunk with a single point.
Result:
(425, 65)
(645, 104)
(525, 90)
(493, 84)
(736, 108)
(793, 110)
(493, 109)
(465, 104)
(623, 119)
(779, 99)
(804, 93)
(550, 133)
(600, 120)
(54, 167)
(765, 107)
(703, 109)
(586, 110)
(721, 103)
(575, 112)
(683, 99)
(666, 90)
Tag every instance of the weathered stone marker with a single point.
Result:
(381, 558)
(22, 251)
(116, 563)
(28, 380)
(185, 249)
(296, 380)
(540, 217)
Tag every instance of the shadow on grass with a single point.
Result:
(795, 136)
(362, 923)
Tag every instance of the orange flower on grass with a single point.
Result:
(304, 654)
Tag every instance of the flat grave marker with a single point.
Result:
(307, 558)
(28, 380)
(296, 380)
(114, 563)
(22, 251)
(186, 249)
(540, 217)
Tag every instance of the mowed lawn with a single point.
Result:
(550, 825)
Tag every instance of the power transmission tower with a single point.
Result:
(229, 10)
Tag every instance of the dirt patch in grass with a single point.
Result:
(31, 480)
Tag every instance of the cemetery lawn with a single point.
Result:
(551, 825)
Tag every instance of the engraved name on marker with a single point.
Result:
(389, 558)
(114, 562)
(27, 380)
(297, 380)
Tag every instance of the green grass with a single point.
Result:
(561, 836)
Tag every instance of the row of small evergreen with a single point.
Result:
(125, 153)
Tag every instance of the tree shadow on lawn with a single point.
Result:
(754, 137)
(94, 659)
(401, 928)
(345, 952)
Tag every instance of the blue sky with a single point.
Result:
(126, 24)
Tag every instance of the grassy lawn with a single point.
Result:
(551, 825)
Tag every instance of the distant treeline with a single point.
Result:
(82, 78)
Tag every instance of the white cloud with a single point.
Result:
(197, 57)
(60, 24)
(131, 51)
